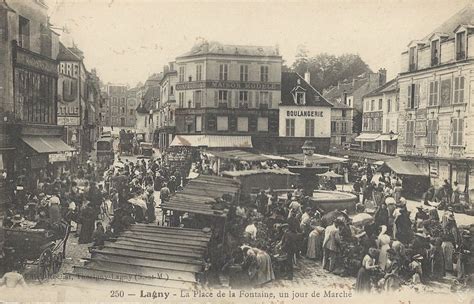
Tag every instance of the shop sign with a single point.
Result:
(33, 61)
(68, 121)
(304, 113)
(57, 157)
(189, 119)
(237, 85)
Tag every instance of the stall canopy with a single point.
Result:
(200, 194)
(147, 255)
(212, 141)
(317, 158)
(242, 155)
(257, 171)
(361, 156)
(402, 167)
(47, 144)
(367, 137)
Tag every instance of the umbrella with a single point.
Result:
(329, 217)
(330, 174)
(379, 163)
(362, 219)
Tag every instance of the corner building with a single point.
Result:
(229, 91)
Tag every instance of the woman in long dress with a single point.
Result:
(363, 276)
(315, 243)
(448, 251)
(265, 272)
(87, 217)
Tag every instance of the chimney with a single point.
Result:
(307, 77)
(166, 69)
(382, 76)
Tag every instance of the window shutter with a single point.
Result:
(250, 99)
(216, 97)
(257, 99)
(409, 97)
(236, 99)
(229, 99)
(460, 131)
(417, 95)
(270, 100)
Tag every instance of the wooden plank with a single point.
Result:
(156, 250)
(163, 238)
(144, 242)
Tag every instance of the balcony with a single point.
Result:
(434, 61)
(461, 55)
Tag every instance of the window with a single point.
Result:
(197, 98)
(445, 92)
(372, 105)
(309, 128)
(244, 73)
(222, 96)
(300, 98)
(365, 125)
(243, 98)
(24, 33)
(242, 124)
(413, 96)
(222, 123)
(380, 104)
(433, 100)
(458, 89)
(432, 132)
(264, 73)
(461, 46)
(130, 112)
(435, 52)
(182, 72)
(171, 90)
(290, 127)
(343, 113)
(198, 123)
(389, 105)
(334, 125)
(198, 72)
(223, 71)
(387, 125)
(457, 129)
(264, 99)
(122, 110)
(410, 133)
(343, 126)
(371, 124)
(412, 58)
(262, 124)
(181, 100)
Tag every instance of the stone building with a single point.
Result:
(117, 97)
(304, 115)
(229, 92)
(437, 101)
(380, 119)
(166, 127)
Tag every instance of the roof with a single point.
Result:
(390, 86)
(257, 171)
(402, 167)
(359, 155)
(200, 194)
(367, 137)
(291, 82)
(242, 155)
(217, 48)
(145, 251)
(464, 17)
(65, 54)
(212, 141)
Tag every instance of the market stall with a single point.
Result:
(148, 255)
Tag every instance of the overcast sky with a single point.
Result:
(128, 40)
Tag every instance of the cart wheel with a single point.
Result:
(57, 261)
(45, 265)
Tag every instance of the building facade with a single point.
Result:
(304, 114)
(437, 101)
(229, 90)
(132, 103)
(166, 126)
(341, 122)
(117, 96)
(28, 94)
(380, 119)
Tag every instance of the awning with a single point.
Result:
(47, 144)
(318, 158)
(387, 137)
(403, 167)
(212, 141)
(367, 137)
(242, 155)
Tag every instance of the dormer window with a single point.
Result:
(435, 48)
(461, 45)
(412, 58)
(300, 98)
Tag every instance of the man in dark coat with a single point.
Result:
(289, 245)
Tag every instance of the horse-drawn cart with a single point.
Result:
(44, 249)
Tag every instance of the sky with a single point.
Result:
(128, 40)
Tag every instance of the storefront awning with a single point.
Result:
(403, 167)
(212, 141)
(387, 137)
(47, 144)
(367, 137)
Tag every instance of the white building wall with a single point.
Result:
(322, 123)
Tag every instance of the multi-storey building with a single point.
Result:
(147, 109)
(117, 94)
(166, 127)
(350, 93)
(380, 119)
(437, 101)
(229, 92)
(341, 121)
(132, 103)
(304, 115)
(30, 138)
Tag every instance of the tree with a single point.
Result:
(326, 70)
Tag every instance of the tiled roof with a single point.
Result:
(390, 86)
(66, 54)
(213, 47)
(348, 87)
(464, 17)
(292, 80)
